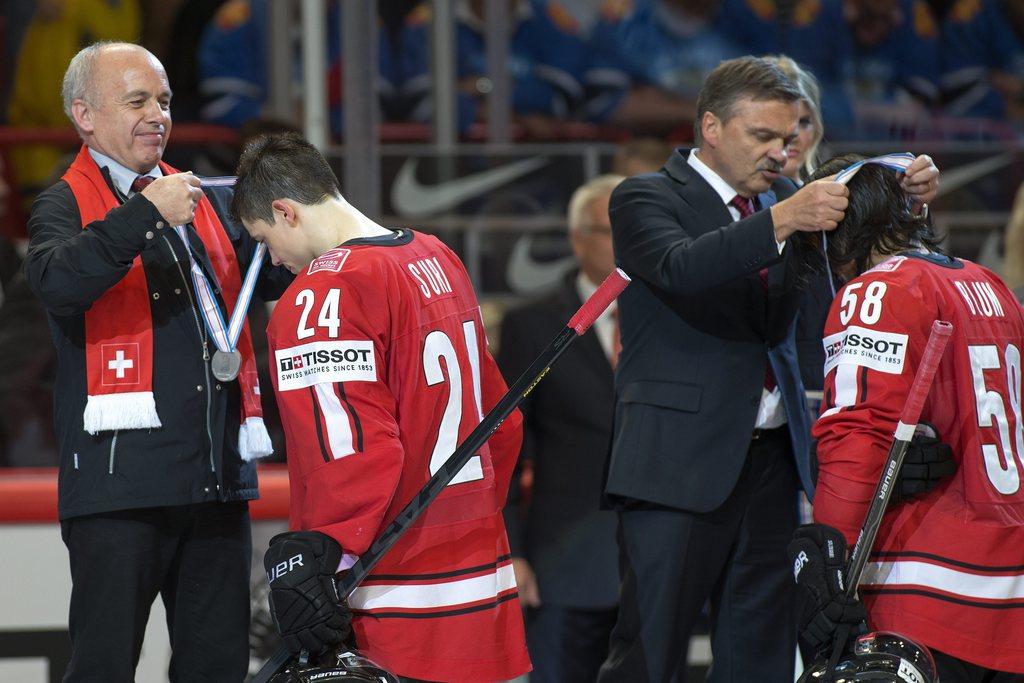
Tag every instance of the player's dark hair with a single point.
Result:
(732, 80)
(280, 166)
(878, 219)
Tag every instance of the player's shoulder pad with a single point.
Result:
(899, 273)
(232, 14)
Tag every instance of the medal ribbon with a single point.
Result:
(898, 162)
(225, 337)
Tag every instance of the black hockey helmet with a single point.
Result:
(880, 656)
(344, 667)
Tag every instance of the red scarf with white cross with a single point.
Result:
(119, 325)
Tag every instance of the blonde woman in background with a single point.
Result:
(803, 151)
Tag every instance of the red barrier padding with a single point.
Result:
(30, 494)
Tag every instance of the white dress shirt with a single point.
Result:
(770, 413)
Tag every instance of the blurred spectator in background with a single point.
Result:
(9, 261)
(182, 63)
(649, 59)
(895, 68)
(26, 361)
(563, 547)
(233, 68)
(59, 29)
(157, 16)
(802, 151)
(640, 155)
(983, 59)
(15, 17)
(812, 32)
(546, 60)
(1013, 261)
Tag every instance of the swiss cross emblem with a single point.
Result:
(296, 362)
(120, 364)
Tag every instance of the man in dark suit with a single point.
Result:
(710, 434)
(710, 430)
(563, 545)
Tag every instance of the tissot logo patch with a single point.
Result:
(874, 349)
(319, 362)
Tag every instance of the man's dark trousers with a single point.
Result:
(734, 555)
(195, 556)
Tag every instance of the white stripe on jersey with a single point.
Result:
(425, 596)
(339, 431)
(947, 579)
(845, 388)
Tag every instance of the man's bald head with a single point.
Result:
(118, 97)
(83, 73)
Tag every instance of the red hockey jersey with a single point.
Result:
(947, 568)
(380, 367)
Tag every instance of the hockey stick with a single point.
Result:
(933, 351)
(904, 432)
(577, 326)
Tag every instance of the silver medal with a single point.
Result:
(226, 364)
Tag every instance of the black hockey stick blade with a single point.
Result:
(577, 326)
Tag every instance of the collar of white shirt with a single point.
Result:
(122, 176)
(724, 190)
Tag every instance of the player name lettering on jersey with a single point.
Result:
(323, 362)
(430, 278)
(980, 298)
(881, 351)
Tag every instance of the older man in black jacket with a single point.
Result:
(157, 403)
(710, 431)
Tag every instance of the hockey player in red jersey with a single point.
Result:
(947, 569)
(380, 367)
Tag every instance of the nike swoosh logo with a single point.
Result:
(954, 179)
(527, 276)
(412, 199)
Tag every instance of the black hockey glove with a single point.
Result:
(303, 598)
(928, 461)
(818, 553)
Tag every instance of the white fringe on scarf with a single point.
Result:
(132, 410)
(253, 439)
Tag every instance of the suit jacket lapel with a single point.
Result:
(698, 193)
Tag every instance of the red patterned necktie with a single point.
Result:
(745, 205)
(142, 182)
